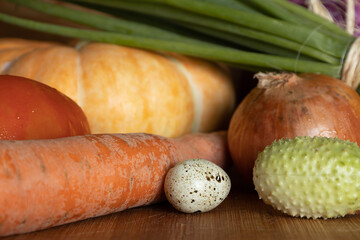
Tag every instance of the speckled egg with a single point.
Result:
(196, 185)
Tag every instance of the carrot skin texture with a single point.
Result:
(45, 183)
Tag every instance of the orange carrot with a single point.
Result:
(45, 183)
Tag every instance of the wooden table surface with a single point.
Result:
(241, 216)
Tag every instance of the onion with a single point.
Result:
(286, 105)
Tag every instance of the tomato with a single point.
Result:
(33, 110)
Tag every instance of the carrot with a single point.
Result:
(45, 183)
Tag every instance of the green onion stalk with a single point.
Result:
(256, 35)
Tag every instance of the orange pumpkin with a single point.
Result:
(123, 89)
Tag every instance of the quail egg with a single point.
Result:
(196, 185)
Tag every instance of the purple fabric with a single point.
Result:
(337, 8)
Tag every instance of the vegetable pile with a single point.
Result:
(256, 35)
(73, 178)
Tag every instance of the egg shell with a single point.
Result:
(196, 185)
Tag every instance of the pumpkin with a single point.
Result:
(124, 89)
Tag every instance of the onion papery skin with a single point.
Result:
(291, 105)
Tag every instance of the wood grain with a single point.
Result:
(241, 216)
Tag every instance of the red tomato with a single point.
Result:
(33, 110)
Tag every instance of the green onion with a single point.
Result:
(220, 27)
(286, 30)
(272, 35)
(207, 22)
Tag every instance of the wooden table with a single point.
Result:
(241, 216)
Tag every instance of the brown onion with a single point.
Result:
(288, 105)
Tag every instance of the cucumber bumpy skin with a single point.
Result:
(312, 177)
